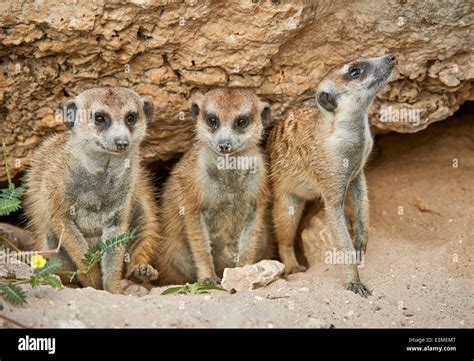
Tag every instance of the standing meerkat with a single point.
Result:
(321, 153)
(88, 186)
(214, 202)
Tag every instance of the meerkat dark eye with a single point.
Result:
(354, 72)
(242, 121)
(100, 119)
(131, 118)
(212, 121)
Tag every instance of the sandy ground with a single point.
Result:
(419, 264)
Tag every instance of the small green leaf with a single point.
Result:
(14, 294)
(35, 281)
(8, 206)
(12, 192)
(201, 292)
(91, 258)
(171, 290)
(118, 241)
(53, 281)
(210, 287)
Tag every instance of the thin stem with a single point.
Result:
(6, 165)
(5, 239)
(8, 319)
(16, 282)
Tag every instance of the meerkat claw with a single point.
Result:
(145, 272)
(211, 281)
(358, 288)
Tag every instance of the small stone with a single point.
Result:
(252, 276)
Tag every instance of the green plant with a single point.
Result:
(196, 288)
(45, 271)
(10, 198)
(92, 258)
(9, 286)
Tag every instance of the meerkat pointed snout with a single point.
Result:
(214, 203)
(87, 186)
(320, 153)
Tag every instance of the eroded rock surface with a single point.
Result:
(51, 50)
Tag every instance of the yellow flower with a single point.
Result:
(37, 261)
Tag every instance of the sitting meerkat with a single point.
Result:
(321, 153)
(88, 186)
(214, 203)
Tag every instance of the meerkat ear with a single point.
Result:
(266, 114)
(148, 109)
(196, 108)
(327, 101)
(69, 113)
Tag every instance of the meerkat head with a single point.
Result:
(354, 85)
(108, 120)
(230, 120)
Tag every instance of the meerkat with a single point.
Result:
(87, 186)
(320, 153)
(214, 203)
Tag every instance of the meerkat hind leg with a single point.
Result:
(287, 211)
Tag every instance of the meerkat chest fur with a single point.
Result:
(230, 185)
(352, 141)
(96, 192)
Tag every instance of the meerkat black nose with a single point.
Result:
(224, 146)
(391, 58)
(121, 144)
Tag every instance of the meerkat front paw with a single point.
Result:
(358, 288)
(145, 272)
(211, 281)
(294, 269)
